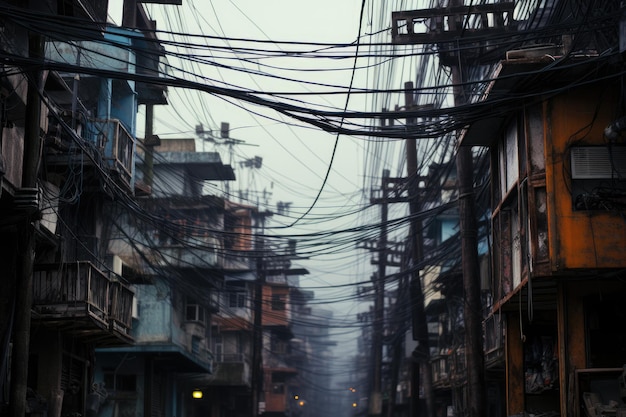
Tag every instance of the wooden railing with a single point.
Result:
(71, 289)
(121, 307)
(79, 290)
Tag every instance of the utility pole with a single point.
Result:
(421, 371)
(256, 382)
(472, 309)
(26, 240)
(375, 402)
(149, 142)
(454, 52)
(421, 354)
(388, 255)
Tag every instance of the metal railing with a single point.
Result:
(117, 146)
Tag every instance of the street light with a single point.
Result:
(196, 394)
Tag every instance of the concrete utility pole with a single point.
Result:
(149, 142)
(421, 354)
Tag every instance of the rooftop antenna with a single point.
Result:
(223, 139)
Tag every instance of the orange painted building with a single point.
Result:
(558, 178)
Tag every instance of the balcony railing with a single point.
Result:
(121, 307)
(111, 146)
(186, 257)
(238, 260)
(117, 146)
(81, 293)
(231, 357)
(441, 370)
(448, 368)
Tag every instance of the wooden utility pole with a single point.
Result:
(472, 309)
(256, 382)
(375, 401)
(26, 241)
(454, 52)
(421, 354)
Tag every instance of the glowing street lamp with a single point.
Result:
(196, 394)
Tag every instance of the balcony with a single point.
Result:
(232, 370)
(441, 371)
(117, 148)
(81, 300)
(187, 244)
(181, 256)
(110, 147)
(449, 368)
(234, 260)
(121, 308)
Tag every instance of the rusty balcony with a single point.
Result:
(83, 301)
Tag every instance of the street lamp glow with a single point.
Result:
(197, 394)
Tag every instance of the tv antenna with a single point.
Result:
(223, 139)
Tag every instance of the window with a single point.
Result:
(278, 302)
(278, 383)
(278, 346)
(194, 312)
(237, 299)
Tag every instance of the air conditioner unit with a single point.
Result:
(598, 162)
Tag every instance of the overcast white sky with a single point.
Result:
(295, 158)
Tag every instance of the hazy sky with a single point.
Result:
(295, 157)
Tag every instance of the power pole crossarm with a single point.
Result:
(447, 24)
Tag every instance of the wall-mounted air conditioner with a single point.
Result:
(598, 162)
